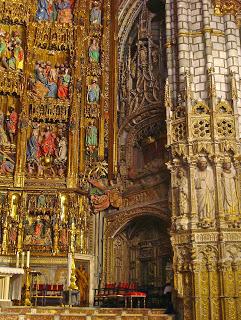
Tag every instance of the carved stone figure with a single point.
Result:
(94, 52)
(3, 136)
(93, 92)
(204, 184)
(64, 9)
(181, 193)
(95, 14)
(44, 10)
(91, 138)
(63, 84)
(62, 149)
(229, 188)
(12, 123)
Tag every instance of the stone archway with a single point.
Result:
(125, 235)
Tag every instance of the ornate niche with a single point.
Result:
(9, 118)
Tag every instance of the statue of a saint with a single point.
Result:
(94, 52)
(12, 123)
(91, 137)
(42, 11)
(204, 184)
(181, 192)
(93, 92)
(229, 188)
(64, 9)
(3, 136)
(62, 149)
(95, 14)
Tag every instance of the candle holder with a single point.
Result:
(27, 300)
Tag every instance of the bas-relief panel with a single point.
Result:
(60, 11)
(50, 81)
(47, 150)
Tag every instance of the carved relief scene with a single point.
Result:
(60, 11)
(47, 150)
(50, 81)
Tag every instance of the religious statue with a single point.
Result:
(93, 95)
(229, 189)
(103, 195)
(50, 81)
(55, 10)
(41, 203)
(204, 185)
(33, 148)
(48, 144)
(95, 14)
(64, 11)
(3, 136)
(3, 50)
(82, 281)
(181, 193)
(91, 137)
(45, 10)
(63, 84)
(12, 123)
(6, 166)
(14, 205)
(94, 51)
(62, 149)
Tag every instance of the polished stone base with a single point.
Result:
(49, 313)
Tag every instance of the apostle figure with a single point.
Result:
(181, 192)
(94, 52)
(93, 92)
(63, 84)
(204, 184)
(33, 148)
(91, 138)
(95, 14)
(6, 167)
(62, 149)
(12, 123)
(18, 55)
(48, 144)
(42, 11)
(229, 188)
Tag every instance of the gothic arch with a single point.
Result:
(119, 221)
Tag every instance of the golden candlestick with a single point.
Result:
(27, 299)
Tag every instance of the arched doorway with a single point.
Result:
(139, 251)
(142, 252)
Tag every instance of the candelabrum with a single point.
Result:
(72, 285)
(27, 299)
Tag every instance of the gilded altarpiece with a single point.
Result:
(57, 124)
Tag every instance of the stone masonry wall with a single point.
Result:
(198, 40)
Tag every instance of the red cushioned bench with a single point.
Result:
(46, 292)
(124, 291)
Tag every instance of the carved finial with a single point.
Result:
(168, 99)
(211, 83)
(234, 91)
(188, 89)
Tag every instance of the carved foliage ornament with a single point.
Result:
(222, 7)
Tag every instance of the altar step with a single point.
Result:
(48, 313)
